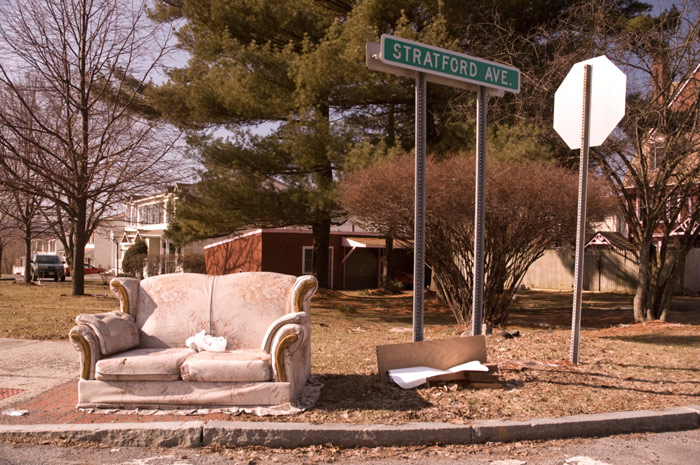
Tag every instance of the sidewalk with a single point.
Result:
(29, 368)
(41, 378)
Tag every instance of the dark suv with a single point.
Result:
(47, 265)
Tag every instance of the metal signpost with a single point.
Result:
(426, 63)
(585, 113)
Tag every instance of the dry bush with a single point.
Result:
(530, 207)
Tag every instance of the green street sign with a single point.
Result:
(425, 58)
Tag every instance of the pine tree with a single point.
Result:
(300, 64)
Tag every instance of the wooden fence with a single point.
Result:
(604, 271)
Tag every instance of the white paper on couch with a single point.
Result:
(202, 341)
(408, 378)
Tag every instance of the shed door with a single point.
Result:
(362, 269)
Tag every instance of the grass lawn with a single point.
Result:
(623, 366)
(48, 311)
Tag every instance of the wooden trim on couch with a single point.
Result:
(286, 341)
(85, 358)
(120, 291)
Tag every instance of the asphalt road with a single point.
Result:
(681, 448)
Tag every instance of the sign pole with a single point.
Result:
(426, 63)
(479, 212)
(419, 211)
(581, 216)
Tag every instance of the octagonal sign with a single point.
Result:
(608, 90)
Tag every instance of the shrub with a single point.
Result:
(530, 207)
(135, 258)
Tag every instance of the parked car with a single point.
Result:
(87, 269)
(46, 265)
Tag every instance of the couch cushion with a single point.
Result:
(245, 304)
(172, 307)
(231, 366)
(142, 365)
(116, 331)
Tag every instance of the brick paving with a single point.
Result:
(57, 406)
(8, 392)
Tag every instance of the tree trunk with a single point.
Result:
(27, 256)
(319, 255)
(640, 296)
(391, 127)
(388, 261)
(77, 273)
(674, 279)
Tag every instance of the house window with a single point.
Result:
(151, 214)
(131, 215)
(307, 263)
(656, 156)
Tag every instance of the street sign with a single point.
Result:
(427, 59)
(426, 63)
(587, 107)
(608, 89)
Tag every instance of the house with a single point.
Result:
(100, 250)
(147, 218)
(357, 258)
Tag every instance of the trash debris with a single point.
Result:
(509, 334)
(408, 378)
(401, 330)
(206, 342)
(15, 413)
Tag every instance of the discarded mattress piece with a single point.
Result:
(408, 378)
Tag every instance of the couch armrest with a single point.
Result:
(84, 340)
(299, 318)
(115, 331)
(291, 354)
(300, 297)
(127, 291)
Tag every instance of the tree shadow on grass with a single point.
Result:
(366, 392)
(598, 380)
(617, 387)
(661, 339)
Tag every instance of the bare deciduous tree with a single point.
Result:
(652, 162)
(22, 213)
(72, 78)
(529, 207)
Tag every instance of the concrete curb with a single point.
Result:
(291, 435)
(163, 434)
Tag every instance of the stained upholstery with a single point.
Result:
(143, 365)
(231, 366)
(173, 307)
(244, 305)
(115, 331)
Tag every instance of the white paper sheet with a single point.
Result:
(408, 378)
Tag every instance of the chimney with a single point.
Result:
(661, 77)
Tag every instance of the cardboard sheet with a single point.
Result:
(441, 354)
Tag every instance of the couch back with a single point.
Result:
(172, 307)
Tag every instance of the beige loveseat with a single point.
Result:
(137, 357)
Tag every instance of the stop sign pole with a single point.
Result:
(600, 105)
(581, 215)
